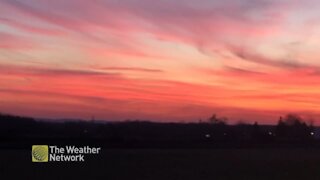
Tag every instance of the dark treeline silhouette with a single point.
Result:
(291, 130)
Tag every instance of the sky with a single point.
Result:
(164, 60)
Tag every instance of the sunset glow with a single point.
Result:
(249, 60)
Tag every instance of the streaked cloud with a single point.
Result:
(137, 69)
(161, 60)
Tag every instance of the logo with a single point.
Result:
(40, 153)
(53, 153)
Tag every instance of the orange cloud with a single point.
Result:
(161, 60)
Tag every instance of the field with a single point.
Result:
(167, 164)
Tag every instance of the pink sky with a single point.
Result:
(249, 60)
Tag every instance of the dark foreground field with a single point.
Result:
(154, 164)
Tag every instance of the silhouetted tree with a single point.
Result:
(256, 131)
(281, 128)
(217, 121)
(293, 128)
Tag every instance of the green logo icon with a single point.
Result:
(40, 153)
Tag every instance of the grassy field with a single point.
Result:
(177, 164)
